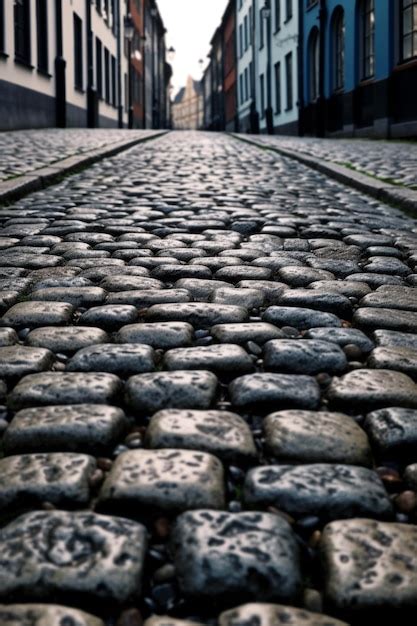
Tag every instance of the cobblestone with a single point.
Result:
(208, 353)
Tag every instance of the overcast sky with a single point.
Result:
(190, 25)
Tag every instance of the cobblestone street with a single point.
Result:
(209, 355)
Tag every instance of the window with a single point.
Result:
(78, 52)
(250, 80)
(314, 65)
(311, 3)
(262, 89)
(409, 29)
(126, 81)
(289, 80)
(246, 32)
(99, 68)
(113, 81)
(261, 30)
(246, 84)
(250, 25)
(242, 95)
(241, 40)
(277, 88)
(107, 73)
(98, 5)
(42, 34)
(2, 42)
(339, 49)
(367, 17)
(22, 31)
(277, 12)
(288, 10)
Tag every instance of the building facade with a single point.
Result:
(188, 107)
(246, 53)
(66, 63)
(360, 68)
(150, 72)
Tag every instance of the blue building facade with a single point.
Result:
(359, 67)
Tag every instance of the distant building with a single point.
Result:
(188, 107)
(66, 63)
(246, 52)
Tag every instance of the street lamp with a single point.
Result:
(129, 31)
(266, 15)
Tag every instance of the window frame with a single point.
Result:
(408, 5)
(2, 30)
(78, 52)
(107, 86)
(261, 30)
(339, 42)
(314, 65)
(367, 34)
(289, 10)
(42, 37)
(23, 56)
(278, 94)
(289, 79)
(262, 94)
(277, 16)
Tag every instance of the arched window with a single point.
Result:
(367, 30)
(339, 49)
(409, 29)
(314, 64)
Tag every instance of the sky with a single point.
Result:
(190, 25)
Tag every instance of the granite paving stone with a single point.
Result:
(316, 437)
(304, 356)
(33, 313)
(199, 315)
(146, 482)
(259, 332)
(87, 428)
(224, 434)
(8, 337)
(367, 389)
(330, 491)
(318, 300)
(264, 614)
(59, 478)
(369, 318)
(342, 337)
(299, 317)
(219, 554)
(148, 393)
(370, 565)
(394, 339)
(410, 476)
(18, 361)
(64, 388)
(275, 390)
(110, 317)
(122, 359)
(76, 556)
(399, 359)
(162, 335)
(45, 615)
(222, 359)
(66, 338)
(393, 432)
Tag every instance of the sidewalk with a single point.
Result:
(29, 159)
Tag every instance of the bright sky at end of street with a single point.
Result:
(190, 25)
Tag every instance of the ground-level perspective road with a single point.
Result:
(208, 355)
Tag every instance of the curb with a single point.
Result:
(396, 195)
(16, 188)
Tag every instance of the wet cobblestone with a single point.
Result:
(208, 356)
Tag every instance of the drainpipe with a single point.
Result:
(269, 112)
(119, 66)
(253, 115)
(60, 71)
(321, 103)
(301, 57)
(92, 108)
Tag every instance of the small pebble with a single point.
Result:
(104, 464)
(352, 352)
(164, 573)
(130, 617)
(162, 528)
(96, 478)
(406, 502)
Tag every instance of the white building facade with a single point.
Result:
(267, 62)
(62, 63)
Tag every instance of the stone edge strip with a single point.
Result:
(20, 186)
(401, 197)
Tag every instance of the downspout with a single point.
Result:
(60, 71)
(119, 66)
(301, 58)
(144, 64)
(254, 115)
(91, 92)
(321, 121)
